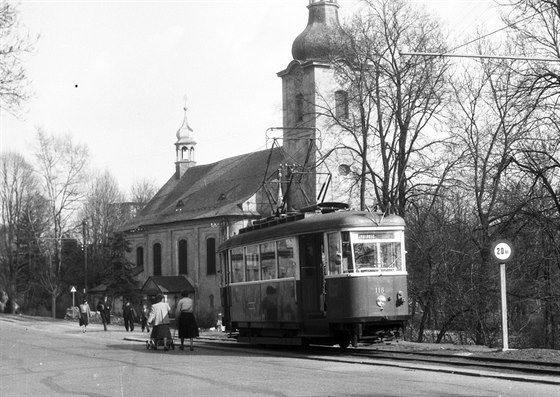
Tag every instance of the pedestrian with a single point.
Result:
(101, 309)
(144, 317)
(159, 319)
(186, 321)
(85, 314)
(129, 316)
(107, 305)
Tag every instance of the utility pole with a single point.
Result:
(84, 232)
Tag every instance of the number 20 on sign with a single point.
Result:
(502, 250)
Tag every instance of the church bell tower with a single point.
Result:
(307, 83)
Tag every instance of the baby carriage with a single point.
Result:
(160, 337)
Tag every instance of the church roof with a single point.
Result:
(212, 190)
(166, 285)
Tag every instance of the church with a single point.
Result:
(174, 239)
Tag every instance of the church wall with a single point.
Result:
(207, 286)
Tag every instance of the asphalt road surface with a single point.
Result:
(54, 358)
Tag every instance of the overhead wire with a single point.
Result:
(498, 30)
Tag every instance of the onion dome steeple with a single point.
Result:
(184, 147)
(323, 37)
(184, 134)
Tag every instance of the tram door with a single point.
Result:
(225, 290)
(311, 274)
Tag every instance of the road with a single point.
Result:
(54, 358)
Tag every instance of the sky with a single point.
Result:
(115, 75)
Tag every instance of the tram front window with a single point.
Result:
(376, 252)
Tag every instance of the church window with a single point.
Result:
(341, 104)
(299, 107)
(183, 252)
(157, 259)
(140, 256)
(211, 256)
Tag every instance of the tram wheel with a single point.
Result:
(343, 343)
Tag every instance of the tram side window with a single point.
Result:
(335, 253)
(252, 268)
(340, 253)
(286, 258)
(347, 262)
(236, 256)
(268, 261)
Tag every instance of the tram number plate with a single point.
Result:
(379, 290)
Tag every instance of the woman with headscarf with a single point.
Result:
(159, 319)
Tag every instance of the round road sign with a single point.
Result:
(502, 250)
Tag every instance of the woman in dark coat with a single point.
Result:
(186, 322)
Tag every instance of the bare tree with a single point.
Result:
(142, 191)
(537, 27)
(490, 124)
(17, 189)
(536, 24)
(13, 80)
(61, 166)
(391, 99)
(104, 215)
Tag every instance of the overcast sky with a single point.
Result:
(114, 74)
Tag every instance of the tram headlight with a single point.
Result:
(381, 300)
(400, 298)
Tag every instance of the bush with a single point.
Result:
(207, 319)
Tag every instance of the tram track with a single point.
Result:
(470, 365)
(465, 361)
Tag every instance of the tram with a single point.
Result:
(325, 275)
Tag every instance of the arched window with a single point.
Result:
(299, 107)
(182, 254)
(341, 104)
(140, 256)
(157, 259)
(211, 256)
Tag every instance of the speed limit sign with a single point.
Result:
(502, 250)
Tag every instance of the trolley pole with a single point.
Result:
(502, 251)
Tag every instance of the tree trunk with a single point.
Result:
(53, 304)
(447, 323)
(421, 326)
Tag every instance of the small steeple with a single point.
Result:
(184, 147)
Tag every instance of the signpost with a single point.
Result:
(502, 251)
(73, 290)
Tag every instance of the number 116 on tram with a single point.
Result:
(323, 277)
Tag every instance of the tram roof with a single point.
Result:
(313, 223)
